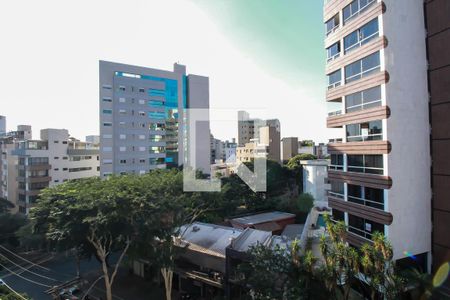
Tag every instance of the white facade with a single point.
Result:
(314, 175)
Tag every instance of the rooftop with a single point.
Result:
(263, 218)
(209, 238)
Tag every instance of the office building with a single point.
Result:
(49, 161)
(289, 148)
(380, 172)
(141, 118)
(437, 18)
(267, 145)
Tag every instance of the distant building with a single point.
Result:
(49, 161)
(289, 148)
(249, 130)
(141, 118)
(2, 125)
(93, 139)
(9, 162)
(267, 146)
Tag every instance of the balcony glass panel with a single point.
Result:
(362, 68)
(361, 36)
(334, 79)
(362, 227)
(363, 100)
(366, 196)
(369, 131)
(355, 8)
(371, 164)
(337, 162)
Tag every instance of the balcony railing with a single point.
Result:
(364, 138)
(334, 85)
(336, 167)
(335, 113)
(368, 170)
(366, 202)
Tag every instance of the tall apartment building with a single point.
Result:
(49, 161)
(289, 148)
(380, 173)
(437, 13)
(8, 163)
(142, 117)
(222, 151)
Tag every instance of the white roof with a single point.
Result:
(263, 218)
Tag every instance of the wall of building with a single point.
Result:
(314, 174)
(2, 124)
(289, 148)
(407, 128)
(438, 27)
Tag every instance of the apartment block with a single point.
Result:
(8, 163)
(248, 128)
(380, 170)
(49, 161)
(437, 18)
(289, 148)
(266, 146)
(142, 116)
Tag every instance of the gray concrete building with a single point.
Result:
(289, 148)
(142, 114)
(2, 125)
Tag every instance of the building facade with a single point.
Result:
(8, 163)
(437, 14)
(2, 125)
(289, 148)
(49, 161)
(380, 172)
(142, 112)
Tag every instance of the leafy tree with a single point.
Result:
(341, 262)
(305, 203)
(295, 161)
(5, 205)
(9, 224)
(92, 213)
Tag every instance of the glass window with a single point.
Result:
(363, 100)
(355, 8)
(362, 68)
(361, 36)
(332, 24)
(368, 131)
(338, 215)
(334, 79)
(337, 162)
(337, 189)
(107, 111)
(371, 164)
(333, 51)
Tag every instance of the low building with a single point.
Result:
(273, 222)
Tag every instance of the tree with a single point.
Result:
(295, 161)
(305, 203)
(341, 262)
(379, 269)
(92, 213)
(7, 294)
(9, 224)
(5, 205)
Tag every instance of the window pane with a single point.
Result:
(350, 40)
(374, 161)
(352, 69)
(372, 94)
(371, 61)
(355, 160)
(369, 29)
(354, 191)
(375, 127)
(353, 130)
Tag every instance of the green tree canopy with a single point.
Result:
(295, 161)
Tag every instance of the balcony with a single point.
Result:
(356, 22)
(357, 54)
(360, 116)
(367, 147)
(337, 201)
(363, 179)
(335, 94)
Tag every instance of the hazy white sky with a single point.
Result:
(49, 53)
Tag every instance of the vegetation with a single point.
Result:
(7, 294)
(295, 161)
(343, 269)
(136, 215)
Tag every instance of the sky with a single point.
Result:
(259, 54)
